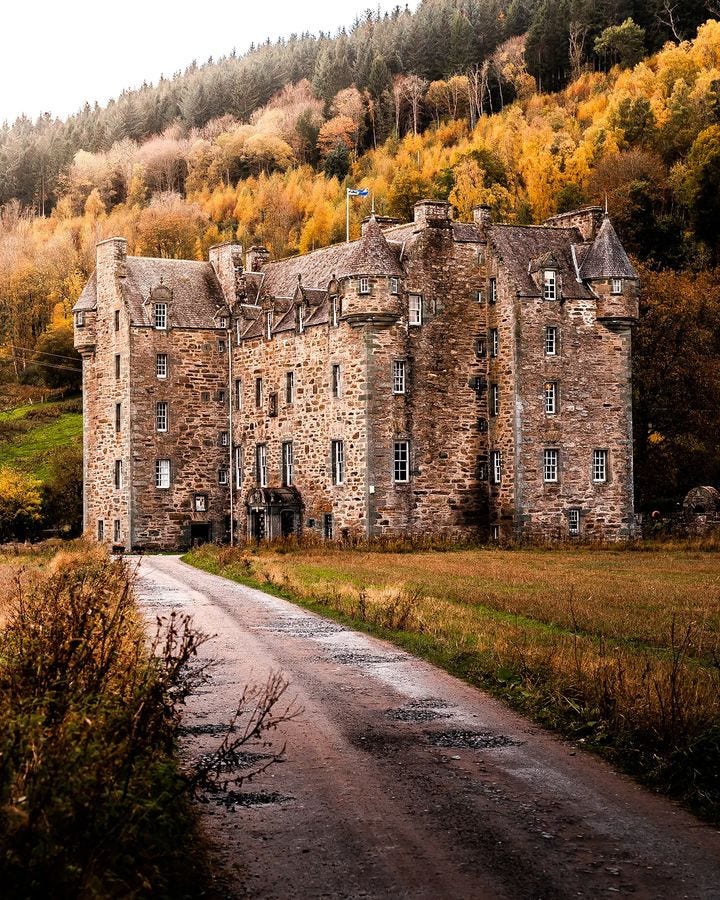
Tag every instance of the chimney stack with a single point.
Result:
(256, 258)
(482, 215)
(226, 260)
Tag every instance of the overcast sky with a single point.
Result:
(56, 54)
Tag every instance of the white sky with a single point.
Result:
(56, 54)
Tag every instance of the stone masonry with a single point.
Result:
(432, 378)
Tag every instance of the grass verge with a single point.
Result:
(30, 435)
(619, 651)
(92, 800)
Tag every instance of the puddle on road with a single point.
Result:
(469, 740)
(245, 799)
(302, 627)
(408, 714)
(362, 658)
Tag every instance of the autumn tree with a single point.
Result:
(20, 505)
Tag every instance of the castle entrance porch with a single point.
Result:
(273, 513)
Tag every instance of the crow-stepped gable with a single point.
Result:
(464, 379)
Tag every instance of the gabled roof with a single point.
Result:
(370, 255)
(519, 246)
(88, 299)
(606, 257)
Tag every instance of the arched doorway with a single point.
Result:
(273, 513)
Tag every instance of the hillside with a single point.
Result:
(470, 126)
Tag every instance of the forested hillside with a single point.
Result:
(445, 102)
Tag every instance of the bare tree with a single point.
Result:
(667, 16)
(578, 35)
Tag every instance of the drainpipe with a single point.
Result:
(231, 472)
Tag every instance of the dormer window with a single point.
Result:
(223, 323)
(333, 312)
(616, 286)
(300, 320)
(394, 286)
(80, 319)
(363, 285)
(549, 284)
(268, 325)
(160, 316)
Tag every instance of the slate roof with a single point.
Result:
(196, 293)
(370, 255)
(521, 246)
(606, 257)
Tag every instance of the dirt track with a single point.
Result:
(401, 781)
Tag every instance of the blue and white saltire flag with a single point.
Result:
(358, 192)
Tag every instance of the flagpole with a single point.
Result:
(347, 215)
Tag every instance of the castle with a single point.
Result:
(431, 378)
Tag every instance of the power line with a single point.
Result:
(44, 352)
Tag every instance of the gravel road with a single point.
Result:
(399, 781)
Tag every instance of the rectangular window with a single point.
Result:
(495, 466)
(258, 392)
(222, 346)
(415, 309)
(338, 462)
(222, 476)
(238, 467)
(616, 286)
(401, 461)
(599, 466)
(480, 296)
(161, 365)
(289, 387)
(574, 521)
(333, 312)
(480, 348)
(551, 336)
(551, 397)
(495, 533)
(273, 404)
(481, 255)
(261, 473)
(200, 502)
(224, 439)
(161, 416)
(550, 465)
(268, 324)
(336, 385)
(116, 531)
(394, 286)
(117, 365)
(492, 290)
(80, 319)
(223, 322)
(549, 284)
(363, 285)
(300, 320)
(238, 393)
(220, 396)
(287, 463)
(328, 526)
(118, 474)
(117, 320)
(398, 374)
(494, 342)
(118, 416)
(162, 473)
(160, 316)
(100, 530)
(494, 400)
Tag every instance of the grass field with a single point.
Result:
(29, 435)
(619, 650)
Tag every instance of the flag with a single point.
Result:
(358, 192)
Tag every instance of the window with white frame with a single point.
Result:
(116, 531)
(161, 365)
(398, 374)
(599, 466)
(160, 316)
(238, 467)
(328, 526)
(300, 319)
(363, 285)
(494, 532)
(224, 439)
(162, 473)
(238, 393)
(551, 397)
(287, 463)
(118, 474)
(161, 415)
(481, 296)
(492, 290)
(222, 345)
(338, 462)
(480, 348)
(550, 465)
(401, 456)
(100, 530)
(551, 340)
(261, 472)
(481, 256)
(223, 322)
(415, 309)
(549, 284)
(200, 502)
(573, 521)
(268, 324)
(394, 285)
(494, 400)
(80, 319)
(494, 342)
(336, 381)
(333, 312)
(495, 466)
(289, 387)
(238, 330)
(222, 476)
(616, 286)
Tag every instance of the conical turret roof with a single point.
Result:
(606, 257)
(372, 255)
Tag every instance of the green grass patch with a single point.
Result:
(34, 433)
